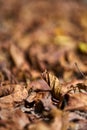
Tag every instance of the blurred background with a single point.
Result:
(50, 34)
(22, 20)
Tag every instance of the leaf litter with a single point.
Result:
(43, 65)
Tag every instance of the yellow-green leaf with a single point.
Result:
(83, 47)
(63, 40)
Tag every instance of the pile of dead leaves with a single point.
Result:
(43, 65)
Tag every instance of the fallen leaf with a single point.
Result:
(83, 47)
(76, 100)
(53, 83)
(18, 95)
(18, 57)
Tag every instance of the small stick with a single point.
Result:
(80, 71)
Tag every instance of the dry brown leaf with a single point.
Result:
(18, 57)
(39, 25)
(53, 83)
(17, 116)
(38, 84)
(76, 101)
(6, 90)
(40, 100)
(18, 95)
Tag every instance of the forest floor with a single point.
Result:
(43, 65)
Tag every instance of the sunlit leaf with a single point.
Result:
(63, 40)
(83, 47)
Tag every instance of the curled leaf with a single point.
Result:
(54, 83)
